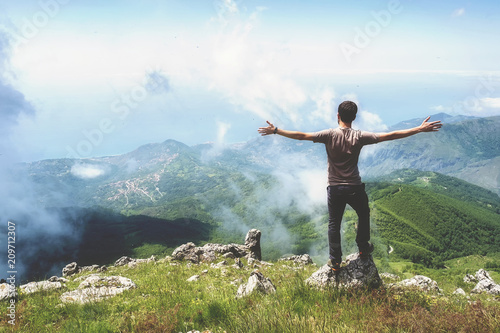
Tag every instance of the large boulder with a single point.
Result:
(96, 288)
(358, 272)
(485, 284)
(257, 282)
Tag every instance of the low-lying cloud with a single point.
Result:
(88, 171)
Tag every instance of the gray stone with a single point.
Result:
(96, 288)
(421, 282)
(193, 278)
(71, 269)
(470, 279)
(389, 276)
(123, 261)
(459, 291)
(209, 252)
(7, 291)
(485, 284)
(256, 283)
(304, 259)
(33, 287)
(57, 279)
(252, 241)
(357, 273)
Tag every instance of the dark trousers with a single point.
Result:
(338, 197)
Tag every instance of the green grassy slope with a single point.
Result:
(425, 225)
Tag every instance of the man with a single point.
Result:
(343, 146)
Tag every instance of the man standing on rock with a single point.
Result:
(343, 146)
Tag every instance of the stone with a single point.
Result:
(485, 284)
(357, 272)
(33, 287)
(252, 241)
(459, 291)
(71, 269)
(470, 279)
(304, 259)
(421, 282)
(6, 291)
(96, 288)
(209, 252)
(219, 265)
(123, 261)
(389, 276)
(57, 279)
(257, 282)
(193, 278)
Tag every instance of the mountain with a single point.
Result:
(469, 150)
(276, 185)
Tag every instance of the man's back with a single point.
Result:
(343, 146)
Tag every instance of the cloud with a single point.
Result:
(370, 122)
(489, 102)
(440, 108)
(458, 12)
(325, 107)
(87, 171)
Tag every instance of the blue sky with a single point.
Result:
(92, 78)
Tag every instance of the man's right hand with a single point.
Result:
(267, 130)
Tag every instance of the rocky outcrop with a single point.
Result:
(485, 284)
(96, 288)
(133, 262)
(303, 260)
(419, 281)
(257, 282)
(33, 287)
(357, 272)
(209, 252)
(73, 268)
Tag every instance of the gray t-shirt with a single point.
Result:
(343, 146)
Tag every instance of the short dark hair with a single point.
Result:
(347, 111)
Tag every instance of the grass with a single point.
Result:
(165, 302)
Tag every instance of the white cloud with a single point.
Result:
(87, 171)
(493, 103)
(458, 12)
(370, 122)
(325, 107)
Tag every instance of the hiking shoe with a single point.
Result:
(367, 252)
(335, 266)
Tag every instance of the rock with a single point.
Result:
(210, 251)
(357, 273)
(459, 291)
(470, 279)
(186, 251)
(252, 241)
(123, 261)
(7, 291)
(219, 265)
(485, 284)
(193, 278)
(389, 276)
(421, 282)
(32, 287)
(304, 259)
(256, 282)
(96, 288)
(71, 269)
(237, 263)
(57, 279)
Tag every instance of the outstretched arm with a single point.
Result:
(426, 126)
(271, 129)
